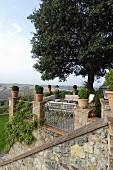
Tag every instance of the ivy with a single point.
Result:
(25, 107)
(20, 127)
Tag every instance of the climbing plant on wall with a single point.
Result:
(20, 127)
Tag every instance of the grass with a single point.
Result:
(3, 120)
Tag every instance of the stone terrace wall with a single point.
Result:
(85, 149)
(42, 135)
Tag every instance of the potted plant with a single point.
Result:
(109, 84)
(39, 93)
(83, 95)
(49, 88)
(75, 91)
(15, 91)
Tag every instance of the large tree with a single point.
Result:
(73, 36)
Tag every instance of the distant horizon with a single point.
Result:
(29, 84)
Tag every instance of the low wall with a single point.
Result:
(85, 149)
(42, 135)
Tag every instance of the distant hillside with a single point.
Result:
(5, 89)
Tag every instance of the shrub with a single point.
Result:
(109, 79)
(39, 89)
(49, 86)
(4, 106)
(98, 94)
(27, 97)
(83, 93)
(15, 88)
(48, 93)
(24, 107)
(57, 93)
(4, 109)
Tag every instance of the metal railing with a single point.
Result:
(59, 118)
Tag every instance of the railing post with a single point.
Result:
(39, 109)
(110, 142)
(81, 117)
(104, 104)
(12, 105)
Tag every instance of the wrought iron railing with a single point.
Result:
(59, 118)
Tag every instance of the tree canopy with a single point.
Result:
(73, 36)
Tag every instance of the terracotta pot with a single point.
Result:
(15, 93)
(83, 103)
(39, 97)
(110, 98)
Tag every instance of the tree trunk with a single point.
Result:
(90, 82)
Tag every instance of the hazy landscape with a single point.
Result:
(5, 89)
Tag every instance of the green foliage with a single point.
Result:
(4, 106)
(22, 124)
(4, 102)
(109, 79)
(48, 93)
(83, 93)
(20, 130)
(61, 93)
(4, 109)
(15, 88)
(73, 37)
(57, 93)
(3, 120)
(23, 107)
(74, 87)
(98, 94)
(27, 97)
(49, 86)
(39, 89)
(58, 117)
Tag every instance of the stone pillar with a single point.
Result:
(39, 109)
(80, 117)
(104, 105)
(12, 104)
(110, 142)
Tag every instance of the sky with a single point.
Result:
(16, 63)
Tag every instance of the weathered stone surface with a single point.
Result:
(88, 148)
(76, 150)
(42, 135)
(93, 138)
(90, 168)
(79, 152)
(54, 157)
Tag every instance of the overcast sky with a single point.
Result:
(16, 64)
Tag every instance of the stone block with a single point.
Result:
(88, 148)
(76, 150)
(54, 157)
(90, 167)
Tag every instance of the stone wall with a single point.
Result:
(42, 135)
(85, 149)
(88, 147)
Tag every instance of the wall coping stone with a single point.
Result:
(57, 130)
(74, 134)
